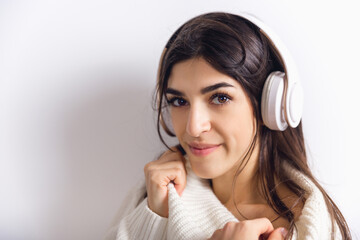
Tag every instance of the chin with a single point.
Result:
(204, 169)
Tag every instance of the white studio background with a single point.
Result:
(76, 84)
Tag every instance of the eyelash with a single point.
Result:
(219, 94)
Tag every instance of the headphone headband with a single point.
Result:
(292, 94)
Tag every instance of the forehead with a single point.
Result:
(197, 73)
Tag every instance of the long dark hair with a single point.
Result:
(236, 47)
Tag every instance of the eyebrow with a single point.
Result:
(203, 91)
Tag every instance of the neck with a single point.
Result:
(246, 183)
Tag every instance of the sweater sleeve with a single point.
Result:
(142, 223)
(135, 220)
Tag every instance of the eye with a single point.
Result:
(220, 98)
(177, 102)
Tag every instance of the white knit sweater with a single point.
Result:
(198, 213)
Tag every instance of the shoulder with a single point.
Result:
(314, 220)
(132, 199)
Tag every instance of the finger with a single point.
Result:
(216, 235)
(160, 178)
(179, 180)
(171, 162)
(171, 155)
(231, 230)
(166, 165)
(263, 226)
(175, 155)
(278, 234)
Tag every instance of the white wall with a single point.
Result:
(76, 82)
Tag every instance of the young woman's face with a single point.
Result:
(211, 116)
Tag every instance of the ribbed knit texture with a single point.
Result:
(198, 213)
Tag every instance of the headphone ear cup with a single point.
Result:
(295, 108)
(272, 109)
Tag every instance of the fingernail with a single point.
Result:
(284, 232)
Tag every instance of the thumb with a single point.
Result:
(278, 234)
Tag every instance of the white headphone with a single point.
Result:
(282, 95)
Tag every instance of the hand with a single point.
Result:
(260, 228)
(170, 167)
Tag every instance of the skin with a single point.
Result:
(250, 230)
(223, 117)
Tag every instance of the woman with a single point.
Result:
(241, 172)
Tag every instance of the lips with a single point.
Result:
(202, 149)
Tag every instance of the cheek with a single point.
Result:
(237, 128)
(178, 120)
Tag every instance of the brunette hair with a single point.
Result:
(236, 47)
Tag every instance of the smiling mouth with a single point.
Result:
(203, 150)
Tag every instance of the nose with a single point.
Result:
(198, 121)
